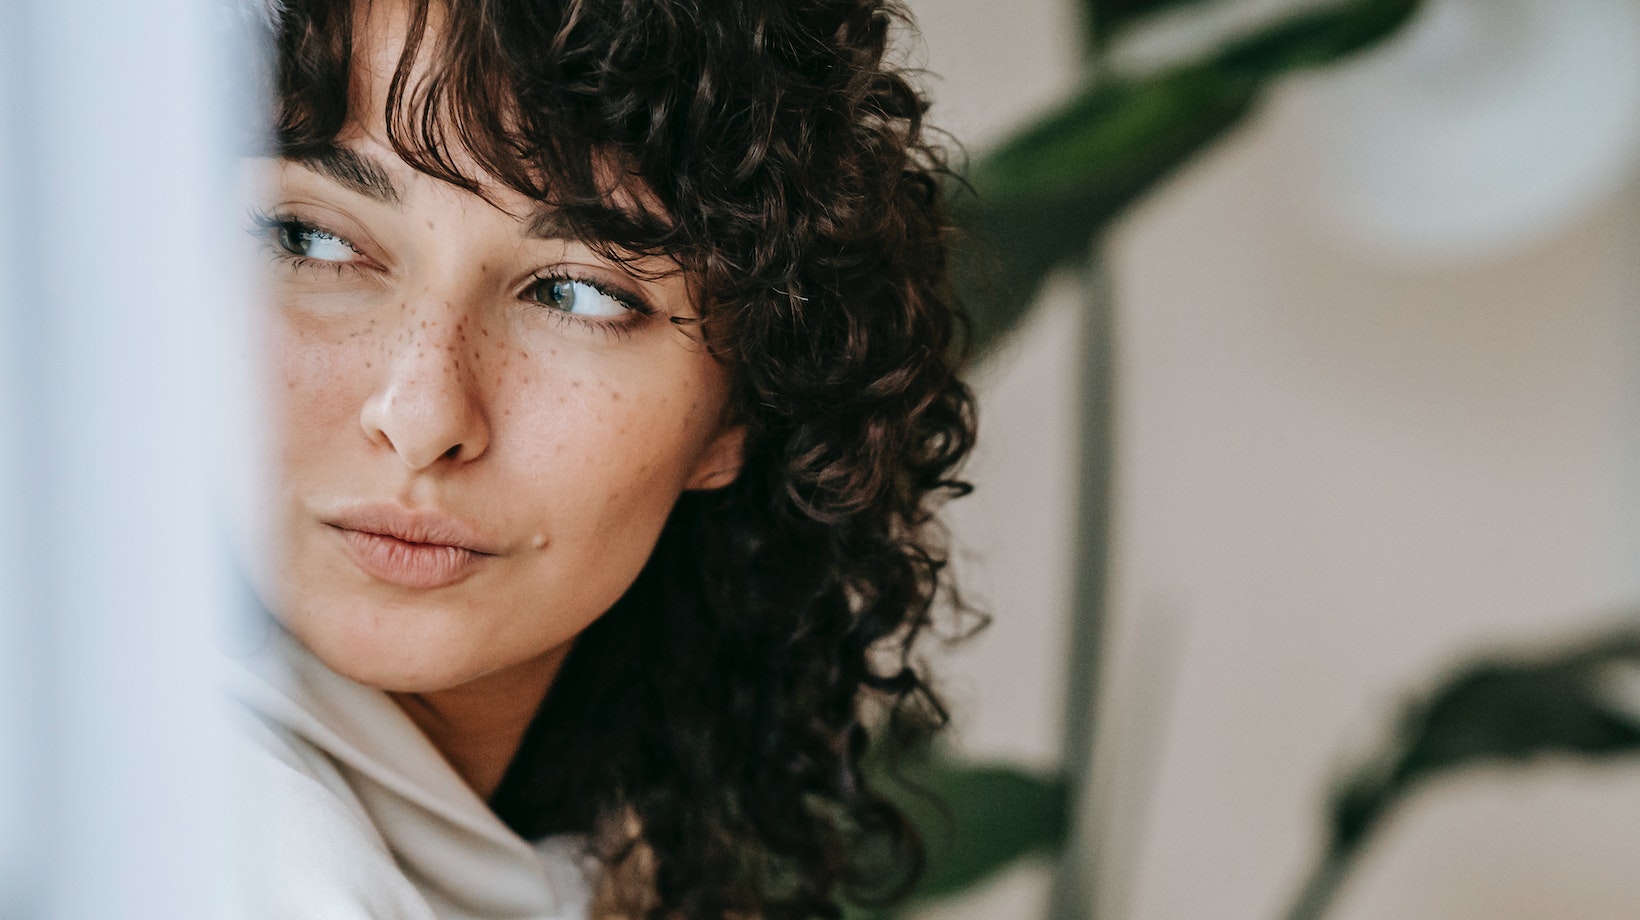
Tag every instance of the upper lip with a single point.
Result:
(412, 525)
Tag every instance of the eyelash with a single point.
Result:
(265, 225)
(637, 309)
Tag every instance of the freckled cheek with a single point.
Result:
(319, 384)
(601, 446)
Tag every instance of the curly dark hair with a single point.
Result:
(714, 721)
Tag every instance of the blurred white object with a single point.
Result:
(17, 765)
(1486, 126)
(116, 300)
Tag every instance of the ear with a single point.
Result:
(719, 463)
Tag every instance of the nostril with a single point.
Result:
(453, 452)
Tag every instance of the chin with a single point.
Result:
(399, 651)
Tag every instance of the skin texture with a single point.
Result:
(418, 362)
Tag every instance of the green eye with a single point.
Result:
(581, 298)
(299, 239)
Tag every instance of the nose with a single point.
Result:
(426, 407)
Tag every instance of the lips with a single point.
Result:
(411, 549)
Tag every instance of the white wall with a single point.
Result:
(1338, 473)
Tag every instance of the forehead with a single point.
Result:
(381, 33)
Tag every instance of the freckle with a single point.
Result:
(424, 324)
(575, 384)
(524, 353)
(486, 332)
(291, 385)
(615, 396)
(367, 365)
(429, 225)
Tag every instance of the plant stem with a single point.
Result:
(1074, 885)
(1322, 886)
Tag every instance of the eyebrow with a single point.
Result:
(365, 175)
(353, 171)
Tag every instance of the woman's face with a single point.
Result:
(482, 425)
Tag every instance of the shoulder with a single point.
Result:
(317, 856)
(356, 815)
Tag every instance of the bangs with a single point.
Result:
(529, 120)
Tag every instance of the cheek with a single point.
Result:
(611, 452)
(317, 384)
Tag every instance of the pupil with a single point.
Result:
(563, 294)
(293, 240)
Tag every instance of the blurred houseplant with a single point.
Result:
(1039, 204)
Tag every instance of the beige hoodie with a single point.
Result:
(358, 816)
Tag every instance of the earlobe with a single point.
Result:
(720, 463)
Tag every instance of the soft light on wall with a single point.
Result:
(1492, 125)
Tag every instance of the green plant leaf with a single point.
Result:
(1506, 711)
(1318, 38)
(1043, 197)
(975, 819)
(1105, 18)
(991, 816)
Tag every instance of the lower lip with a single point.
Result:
(409, 565)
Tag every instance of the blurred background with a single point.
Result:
(1376, 366)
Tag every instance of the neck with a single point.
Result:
(478, 726)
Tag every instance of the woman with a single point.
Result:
(613, 368)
